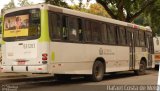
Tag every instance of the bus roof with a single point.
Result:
(80, 14)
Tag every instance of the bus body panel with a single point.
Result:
(25, 58)
(75, 58)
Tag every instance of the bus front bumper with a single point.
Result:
(32, 69)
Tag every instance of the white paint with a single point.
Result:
(21, 49)
(158, 84)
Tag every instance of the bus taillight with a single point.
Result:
(44, 56)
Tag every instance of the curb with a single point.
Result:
(12, 76)
(27, 79)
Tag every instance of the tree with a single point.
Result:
(154, 14)
(11, 4)
(97, 9)
(25, 3)
(151, 17)
(60, 3)
(125, 10)
(80, 4)
(0, 24)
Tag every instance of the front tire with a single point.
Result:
(142, 68)
(97, 71)
(156, 67)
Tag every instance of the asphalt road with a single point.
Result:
(80, 84)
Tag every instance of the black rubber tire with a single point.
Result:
(142, 68)
(97, 71)
(156, 67)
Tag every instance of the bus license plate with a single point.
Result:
(21, 62)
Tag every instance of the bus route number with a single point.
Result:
(26, 46)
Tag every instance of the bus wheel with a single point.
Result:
(97, 71)
(156, 67)
(142, 68)
(61, 77)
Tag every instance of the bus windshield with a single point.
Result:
(22, 25)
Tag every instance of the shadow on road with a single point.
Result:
(75, 81)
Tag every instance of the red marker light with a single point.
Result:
(44, 56)
(39, 68)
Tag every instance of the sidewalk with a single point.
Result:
(12, 75)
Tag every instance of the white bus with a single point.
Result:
(156, 41)
(49, 39)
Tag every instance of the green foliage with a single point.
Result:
(125, 10)
(60, 3)
(25, 3)
(0, 24)
(151, 17)
(96, 9)
(154, 13)
(11, 4)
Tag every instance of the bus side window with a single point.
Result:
(80, 30)
(136, 38)
(55, 26)
(129, 37)
(141, 38)
(111, 34)
(73, 29)
(96, 27)
(88, 31)
(122, 36)
(64, 28)
(157, 41)
(104, 33)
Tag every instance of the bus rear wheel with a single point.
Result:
(97, 71)
(142, 68)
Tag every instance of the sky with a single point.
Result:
(4, 2)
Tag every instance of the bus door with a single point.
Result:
(132, 50)
(149, 45)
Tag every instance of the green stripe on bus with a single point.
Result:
(2, 41)
(53, 56)
(44, 27)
